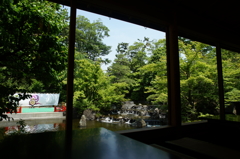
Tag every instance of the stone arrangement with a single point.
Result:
(136, 115)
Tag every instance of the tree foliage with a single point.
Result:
(33, 58)
(89, 39)
(231, 72)
(198, 75)
(30, 47)
(125, 68)
(92, 89)
(198, 71)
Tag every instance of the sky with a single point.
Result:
(121, 31)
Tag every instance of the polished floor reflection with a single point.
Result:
(94, 143)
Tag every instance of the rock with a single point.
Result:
(156, 110)
(128, 105)
(145, 107)
(139, 123)
(82, 121)
(155, 114)
(89, 114)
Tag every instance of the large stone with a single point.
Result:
(155, 114)
(82, 121)
(236, 109)
(143, 113)
(128, 105)
(139, 123)
(89, 114)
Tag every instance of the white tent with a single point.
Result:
(40, 99)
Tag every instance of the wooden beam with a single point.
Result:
(70, 77)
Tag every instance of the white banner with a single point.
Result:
(40, 99)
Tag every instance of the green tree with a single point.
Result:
(31, 47)
(231, 75)
(89, 50)
(198, 77)
(120, 69)
(156, 74)
(92, 88)
(199, 86)
(89, 39)
(126, 67)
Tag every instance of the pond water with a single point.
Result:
(36, 126)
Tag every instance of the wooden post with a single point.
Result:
(70, 76)
(220, 82)
(174, 101)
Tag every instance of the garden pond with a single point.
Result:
(44, 125)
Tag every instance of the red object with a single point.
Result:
(11, 128)
(60, 109)
(19, 110)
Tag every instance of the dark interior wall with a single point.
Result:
(222, 133)
(160, 135)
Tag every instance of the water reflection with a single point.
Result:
(38, 126)
(32, 128)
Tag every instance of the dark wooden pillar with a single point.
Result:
(220, 82)
(174, 101)
(70, 76)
